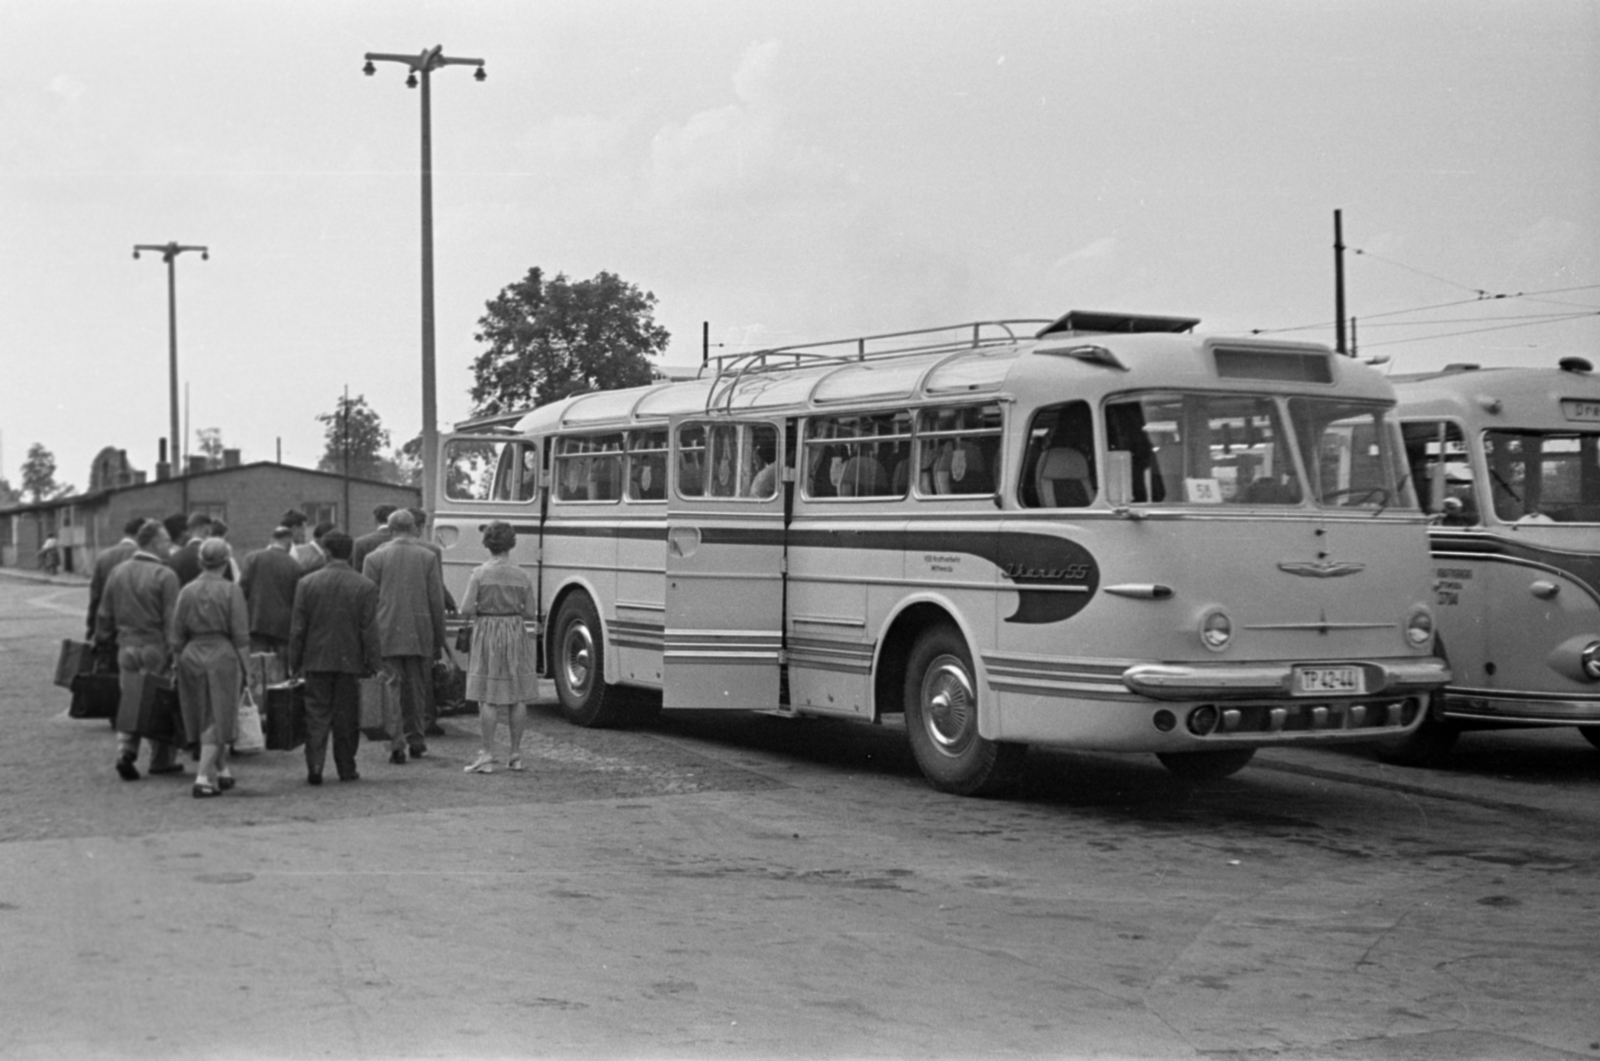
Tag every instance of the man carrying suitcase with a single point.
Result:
(136, 610)
(333, 641)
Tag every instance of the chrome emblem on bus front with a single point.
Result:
(1321, 568)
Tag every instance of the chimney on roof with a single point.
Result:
(230, 458)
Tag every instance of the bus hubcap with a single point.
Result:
(949, 706)
(579, 651)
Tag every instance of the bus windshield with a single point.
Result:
(1240, 449)
(1544, 476)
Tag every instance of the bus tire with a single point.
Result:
(1211, 765)
(1591, 734)
(941, 707)
(580, 660)
(1426, 745)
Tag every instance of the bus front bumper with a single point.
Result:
(1258, 681)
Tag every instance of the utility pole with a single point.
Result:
(344, 445)
(169, 253)
(1338, 279)
(424, 64)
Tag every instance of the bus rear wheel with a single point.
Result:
(580, 676)
(941, 706)
(1213, 765)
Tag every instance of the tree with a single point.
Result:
(8, 496)
(354, 427)
(39, 475)
(209, 440)
(552, 338)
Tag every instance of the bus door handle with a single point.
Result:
(683, 541)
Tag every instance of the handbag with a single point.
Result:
(464, 639)
(248, 737)
(159, 718)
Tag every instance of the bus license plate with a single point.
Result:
(1324, 681)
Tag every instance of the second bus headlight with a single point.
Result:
(1419, 627)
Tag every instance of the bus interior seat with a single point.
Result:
(1063, 479)
(765, 484)
(962, 469)
(863, 476)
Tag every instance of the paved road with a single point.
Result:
(720, 886)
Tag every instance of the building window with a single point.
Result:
(320, 512)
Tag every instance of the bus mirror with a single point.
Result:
(1119, 479)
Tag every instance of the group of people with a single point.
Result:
(170, 599)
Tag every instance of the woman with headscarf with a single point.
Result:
(501, 670)
(210, 636)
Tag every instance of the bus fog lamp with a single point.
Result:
(1591, 662)
(1216, 630)
(1203, 719)
(1165, 720)
(1419, 628)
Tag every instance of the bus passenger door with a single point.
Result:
(725, 566)
(484, 478)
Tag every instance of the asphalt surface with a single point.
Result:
(730, 886)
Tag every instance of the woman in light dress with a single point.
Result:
(210, 635)
(501, 670)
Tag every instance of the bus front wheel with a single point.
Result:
(580, 676)
(941, 705)
(1207, 765)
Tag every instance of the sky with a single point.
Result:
(786, 171)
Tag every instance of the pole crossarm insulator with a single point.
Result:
(431, 59)
(169, 251)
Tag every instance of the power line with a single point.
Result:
(1535, 318)
(1424, 309)
(1475, 331)
(1481, 293)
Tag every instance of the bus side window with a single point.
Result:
(647, 465)
(1437, 458)
(959, 450)
(691, 460)
(1059, 469)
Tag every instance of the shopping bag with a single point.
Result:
(376, 693)
(285, 722)
(261, 670)
(95, 696)
(77, 657)
(248, 737)
(159, 716)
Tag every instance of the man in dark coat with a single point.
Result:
(410, 627)
(368, 542)
(185, 562)
(333, 641)
(136, 609)
(105, 562)
(268, 578)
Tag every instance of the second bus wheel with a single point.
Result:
(941, 705)
(580, 676)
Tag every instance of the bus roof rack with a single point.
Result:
(1080, 320)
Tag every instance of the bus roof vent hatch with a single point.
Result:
(1081, 321)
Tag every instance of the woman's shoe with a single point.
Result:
(204, 791)
(483, 764)
(515, 762)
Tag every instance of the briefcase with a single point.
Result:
(284, 716)
(95, 696)
(159, 715)
(77, 657)
(376, 695)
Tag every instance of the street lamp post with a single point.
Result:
(424, 64)
(169, 253)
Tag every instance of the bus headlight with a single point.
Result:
(1591, 662)
(1216, 630)
(1419, 627)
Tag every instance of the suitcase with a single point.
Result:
(159, 716)
(284, 716)
(376, 695)
(77, 657)
(95, 696)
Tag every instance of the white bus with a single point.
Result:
(1099, 532)
(1508, 460)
